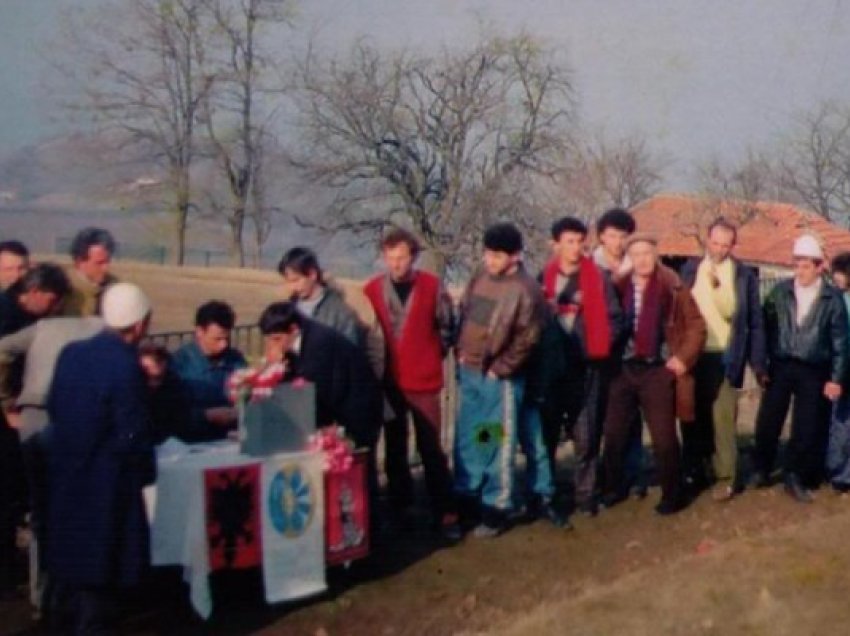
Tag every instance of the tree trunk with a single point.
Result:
(237, 230)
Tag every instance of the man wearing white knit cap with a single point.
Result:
(101, 456)
(806, 331)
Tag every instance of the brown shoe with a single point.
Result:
(722, 493)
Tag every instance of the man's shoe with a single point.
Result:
(695, 483)
(611, 499)
(639, 491)
(588, 508)
(484, 531)
(669, 507)
(555, 516)
(795, 489)
(840, 488)
(761, 479)
(722, 492)
(448, 528)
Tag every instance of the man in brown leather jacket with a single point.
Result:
(500, 320)
(664, 335)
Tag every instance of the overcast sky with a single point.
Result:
(697, 78)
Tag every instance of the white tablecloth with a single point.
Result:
(176, 511)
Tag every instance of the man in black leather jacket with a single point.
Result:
(806, 328)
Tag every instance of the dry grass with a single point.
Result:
(177, 291)
(787, 582)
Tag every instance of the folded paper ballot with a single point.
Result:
(282, 422)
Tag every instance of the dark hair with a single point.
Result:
(215, 312)
(279, 318)
(14, 247)
(154, 350)
(503, 237)
(723, 224)
(399, 235)
(88, 238)
(617, 218)
(46, 277)
(302, 260)
(841, 263)
(568, 224)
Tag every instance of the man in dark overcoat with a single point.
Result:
(100, 456)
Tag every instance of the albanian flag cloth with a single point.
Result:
(293, 508)
(347, 512)
(232, 507)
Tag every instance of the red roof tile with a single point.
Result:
(766, 232)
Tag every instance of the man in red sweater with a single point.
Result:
(415, 315)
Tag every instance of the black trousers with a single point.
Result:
(424, 407)
(698, 436)
(576, 405)
(12, 494)
(806, 450)
(84, 611)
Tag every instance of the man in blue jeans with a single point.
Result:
(499, 325)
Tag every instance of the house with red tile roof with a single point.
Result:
(766, 230)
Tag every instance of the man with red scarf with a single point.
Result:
(586, 320)
(664, 336)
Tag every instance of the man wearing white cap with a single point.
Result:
(806, 330)
(101, 456)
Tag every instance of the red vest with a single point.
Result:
(415, 359)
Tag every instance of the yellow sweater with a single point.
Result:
(716, 303)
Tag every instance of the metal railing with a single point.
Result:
(246, 338)
(156, 254)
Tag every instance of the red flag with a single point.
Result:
(232, 508)
(347, 513)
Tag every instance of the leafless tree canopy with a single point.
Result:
(139, 66)
(601, 172)
(440, 144)
(238, 112)
(816, 162)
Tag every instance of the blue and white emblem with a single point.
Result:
(292, 501)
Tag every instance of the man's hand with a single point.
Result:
(676, 367)
(492, 376)
(832, 390)
(13, 418)
(763, 379)
(221, 415)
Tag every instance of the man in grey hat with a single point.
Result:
(664, 335)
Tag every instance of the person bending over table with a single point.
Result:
(347, 392)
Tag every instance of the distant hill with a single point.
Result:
(50, 190)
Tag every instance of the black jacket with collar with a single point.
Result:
(820, 340)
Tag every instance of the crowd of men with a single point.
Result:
(602, 342)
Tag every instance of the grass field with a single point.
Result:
(177, 291)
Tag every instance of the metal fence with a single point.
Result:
(246, 338)
(156, 254)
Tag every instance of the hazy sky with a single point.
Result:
(698, 78)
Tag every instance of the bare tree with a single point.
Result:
(816, 163)
(235, 114)
(735, 192)
(752, 181)
(438, 144)
(139, 68)
(600, 173)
